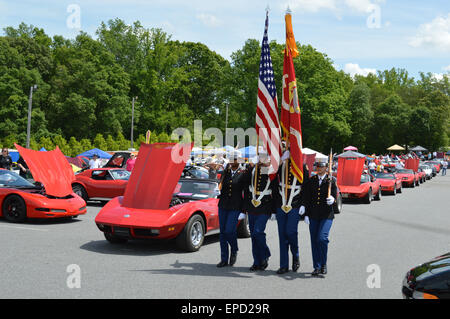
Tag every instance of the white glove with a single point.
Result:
(273, 217)
(285, 156)
(241, 216)
(301, 211)
(330, 200)
(306, 220)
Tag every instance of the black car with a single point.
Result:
(430, 280)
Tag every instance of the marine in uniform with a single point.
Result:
(289, 201)
(319, 209)
(259, 204)
(230, 206)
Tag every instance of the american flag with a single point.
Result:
(267, 122)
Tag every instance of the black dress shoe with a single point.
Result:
(233, 259)
(316, 272)
(323, 270)
(295, 264)
(222, 264)
(282, 271)
(264, 264)
(254, 268)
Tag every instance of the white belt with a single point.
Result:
(257, 201)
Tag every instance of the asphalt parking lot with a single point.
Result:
(371, 248)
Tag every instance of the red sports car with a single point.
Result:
(368, 189)
(50, 197)
(390, 182)
(101, 183)
(409, 177)
(157, 204)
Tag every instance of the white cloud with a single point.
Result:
(209, 20)
(446, 68)
(434, 34)
(354, 68)
(311, 5)
(438, 76)
(360, 6)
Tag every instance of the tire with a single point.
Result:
(243, 230)
(337, 206)
(400, 189)
(368, 198)
(378, 197)
(115, 239)
(14, 209)
(80, 191)
(193, 234)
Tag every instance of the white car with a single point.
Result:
(427, 169)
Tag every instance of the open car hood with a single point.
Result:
(155, 175)
(51, 169)
(350, 170)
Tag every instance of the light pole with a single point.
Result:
(30, 102)
(132, 119)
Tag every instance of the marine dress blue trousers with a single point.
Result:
(288, 234)
(319, 230)
(257, 224)
(228, 220)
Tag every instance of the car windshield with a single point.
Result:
(405, 171)
(365, 178)
(120, 174)
(198, 172)
(384, 176)
(196, 189)
(11, 179)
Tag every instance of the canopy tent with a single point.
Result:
(311, 151)
(448, 153)
(350, 148)
(418, 148)
(395, 147)
(351, 154)
(100, 153)
(249, 151)
(196, 151)
(43, 149)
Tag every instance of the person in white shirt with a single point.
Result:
(444, 167)
(94, 162)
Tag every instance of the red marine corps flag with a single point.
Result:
(267, 122)
(290, 110)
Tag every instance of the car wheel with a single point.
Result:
(378, 197)
(368, 198)
(14, 209)
(338, 204)
(243, 230)
(400, 189)
(193, 234)
(80, 191)
(115, 239)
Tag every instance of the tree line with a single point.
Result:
(86, 84)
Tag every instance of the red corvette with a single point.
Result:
(390, 182)
(409, 177)
(157, 204)
(368, 189)
(101, 183)
(51, 198)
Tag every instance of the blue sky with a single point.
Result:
(360, 36)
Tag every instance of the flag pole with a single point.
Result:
(330, 160)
